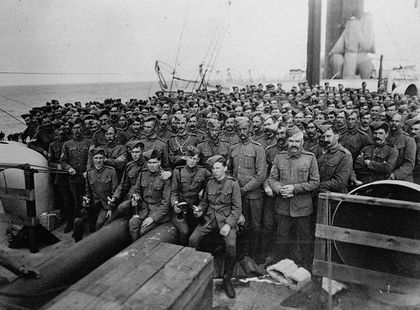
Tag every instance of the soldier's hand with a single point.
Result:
(72, 171)
(241, 220)
(59, 167)
(147, 222)
(108, 214)
(197, 212)
(269, 191)
(366, 162)
(391, 176)
(165, 175)
(358, 182)
(225, 230)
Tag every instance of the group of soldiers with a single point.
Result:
(249, 162)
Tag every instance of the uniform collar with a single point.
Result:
(334, 149)
(101, 169)
(246, 142)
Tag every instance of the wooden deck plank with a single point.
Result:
(148, 264)
(162, 291)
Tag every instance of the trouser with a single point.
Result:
(185, 223)
(67, 202)
(94, 215)
(135, 229)
(302, 227)
(248, 242)
(77, 191)
(230, 243)
(124, 209)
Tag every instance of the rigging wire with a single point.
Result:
(64, 73)
(12, 116)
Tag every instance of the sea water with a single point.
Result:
(17, 100)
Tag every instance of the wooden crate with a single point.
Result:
(326, 233)
(149, 274)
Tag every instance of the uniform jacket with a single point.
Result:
(312, 145)
(158, 144)
(54, 154)
(231, 137)
(222, 201)
(406, 147)
(126, 188)
(75, 155)
(335, 167)
(416, 171)
(155, 194)
(354, 140)
(247, 162)
(382, 162)
(208, 148)
(301, 171)
(100, 184)
(178, 146)
(266, 142)
(187, 183)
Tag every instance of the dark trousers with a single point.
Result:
(124, 209)
(282, 244)
(230, 243)
(94, 215)
(248, 242)
(67, 202)
(136, 231)
(77, 191)
(185, 223)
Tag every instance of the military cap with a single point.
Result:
(378, 125)
(213, 123)
(97, 150)
(242, 120)
(390, 115)
(323, 127)
(159, 92)
(26, 115)
(151, 154)
(410, 122)
(150, 118)
(212, 160)
(134, 144)
(294, 131)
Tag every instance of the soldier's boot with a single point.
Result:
(78, 229)
(227, 283)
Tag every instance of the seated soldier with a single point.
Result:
(187, 182)
(152, 196)
(221, 206)
(101, 182)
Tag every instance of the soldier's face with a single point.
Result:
(243, 131)
(352, 121)
(136, 153)
(295, 143)
(148, 128)
(341, 119)
(396, 122)
(311, 130)
(320, 117)
(110, 135)
(122, 121)
(256, 123)
(136, 126)
(98, 160)
(77, 130)
(153, 165)
(415, 130)
(374, 111)
(330, 139)
(192, 161)
(182, 125)
(379, 136)
(192, 123)
(219, 171)
(213, 133)
(298, 118)
(366, 119)
(281, 135)
(229, 124)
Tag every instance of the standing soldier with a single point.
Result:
(229, 134)
(179, 143)
(192, 125)
(406, 147)
(269, 137)
(74, 159)
(311, 141)
(293, 178)
(135, 132)
(221, 207)
(213, 145)
(257, 127)
(164, 130)
(101, 182)
(187, 182)
(151, 198)
(248, 164)
(376, 161)
(415, 133)
(151, 141)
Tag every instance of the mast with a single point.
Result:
(313, 65)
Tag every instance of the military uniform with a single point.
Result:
(354, 140)
(98, 137)
(406, 147)
(231, 137)
(208, 148)
(158, 144)
(154, 193)
(166, 134)
(266, 142)
(221, 204)
(178, 146)
(301, 171)
(416, 170)
(100, 184)
(187, 183)
(75, 155)
(201, 135)
(382, 162)
(257, 135)
(312, 145)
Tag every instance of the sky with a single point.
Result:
(122, 39)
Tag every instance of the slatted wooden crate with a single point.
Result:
(327, 232)
(149, 274)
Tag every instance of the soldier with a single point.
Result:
(269, 137)
(248, 164)
(74, 159)
(213, 145)
(98, 137)
(101, 182)
(415, 133)
(293, 177)
(365, 121)
(151, 198)
(354, 139)
(406, 147)
(151, 141)
(192, 127)
(257, 127)
(341, 123)
(179, 144)
(311, 141)
(165, 132)
(221, 206)
(187, 182)
(376, 161)
(135, 132)
(43, 137)
(335, 164)
(230, 133)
